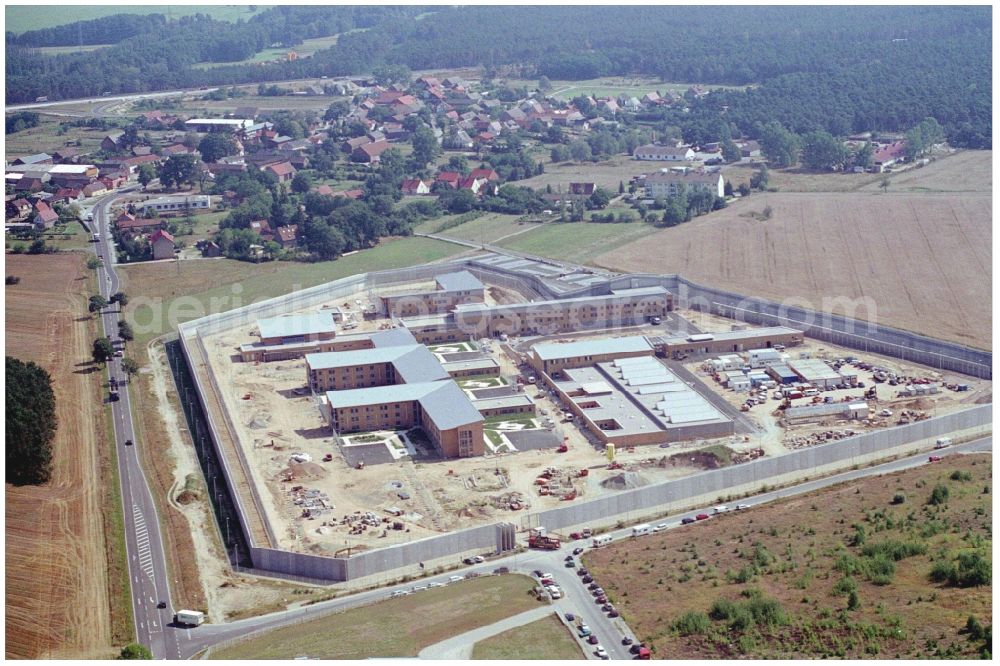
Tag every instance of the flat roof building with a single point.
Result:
(291, 329)
(518, 403)
(816, 372)
(727, 341)
(486, 366)
(636, 400)
(176, 203)
(441, 409)
(452, 289)
(552, 357)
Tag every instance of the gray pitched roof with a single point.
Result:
(444, 402)
(458, 281)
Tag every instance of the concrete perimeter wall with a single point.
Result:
(662, 497)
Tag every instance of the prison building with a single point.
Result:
(727, 341)
(259, 352)
(840, 410)
(636, 400)
(624, 307)
(292, 329)
(816, 372)
(379, 366)
(504, 405)
(486, 366)
(441, 409)
(551, 358)
(452, 289)
(782, 374)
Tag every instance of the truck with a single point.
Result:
(189, 618)
(640, 530)
(602, 540)
(537, 538)
(942, 442)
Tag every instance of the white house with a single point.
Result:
(654, 153)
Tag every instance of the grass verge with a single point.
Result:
(547, 638)
(398, 627)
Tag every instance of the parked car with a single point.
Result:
(613, 612)
(934, 459)
(128, 442)
(162, 604)
(577, 551)
(627, 640)
(501, 570)
(601, 652)
(593, 639)
(582, 572)
(687, 521)
(702, 516)
(740, 507)
(570, 617)
(568, 558)
(593, 586)
(570, 564)
(537, 573)
(587, 579)
(584, 631)
(478, 559)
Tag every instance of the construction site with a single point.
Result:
(356, 432)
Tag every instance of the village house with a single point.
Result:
(370, 152)
(283, 171)
(652, 152)
(95, 189)
(162, 244)
(888, 155)
(45, 217)
(664, 185)
(18, 209)
(287, 236)
(581, 189)
(412, 186)
(37, 159)
(112, 142)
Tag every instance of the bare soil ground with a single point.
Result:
(57, 599)
(923, 259)
(789, 551)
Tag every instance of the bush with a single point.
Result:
(899, 498)
(939, 495)
(745, 615)
(896, 550)
(973, 570)
(691, 623)
(959, 475)
(942, 571)
(845, 585)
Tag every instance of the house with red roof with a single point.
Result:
(67, 195)
(350, 194)
(45, 217)
(18, 209)
(287, 236)
(888, 155)
(413, 186)
(370, 153)
(449, 178)
(283, 171)
(488, 174)
(162, 243)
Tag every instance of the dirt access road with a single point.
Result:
(921, 251)
(57, 600)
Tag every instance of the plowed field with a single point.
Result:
(57, 602)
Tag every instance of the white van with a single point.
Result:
(810, 392)
(602, 540)
(640, 530)
(722, 508)
(942, 442)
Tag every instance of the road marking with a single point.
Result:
(142, 542)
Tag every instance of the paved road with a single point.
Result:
(92, 100)
(148, 574)
(577, 599)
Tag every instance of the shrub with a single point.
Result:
(960, 475)
(853, 601)
(896, 550)
(899, 498)
(942, 571)
(939, 495)
(973, 570)
(691, 623)
(845, 585)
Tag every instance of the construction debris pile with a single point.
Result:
(313, 502)
(746, 456)
(512, 501)
(560, 483)
(805, 441)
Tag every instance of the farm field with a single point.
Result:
(63, 50)
(305, 49)
(157, 288)
(25, 17)
(45, 137)
(606, 174)
(57, 567)
(578, 241)
(924, 258)
(609, 86)
(398, 627)
(965, 171)
(487, 228)
(776, 581)
(547, 638)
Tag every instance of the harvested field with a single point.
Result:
(966, 171)
(578, 241)
(395, 627)
(57, 569)
(881, 530)
(924, 259)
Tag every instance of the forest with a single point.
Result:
(837, 69)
